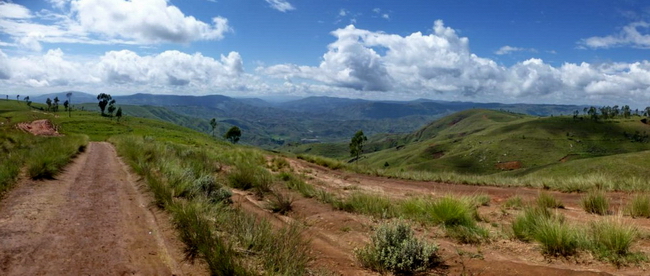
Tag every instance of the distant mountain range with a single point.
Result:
(326, 119)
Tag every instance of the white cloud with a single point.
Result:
(385, 16)
(630, 35)
(145, 21)
(15, 11)
(170, 70)
(442, 63)
(280, 5)
(505, 50)
(343, 12)
(108, 22)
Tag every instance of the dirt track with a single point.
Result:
(91, 220)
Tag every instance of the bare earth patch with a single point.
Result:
(501, 257)
(91, 220)
(39, 127)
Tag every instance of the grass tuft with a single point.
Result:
(595, 202)
(546, 200)
(639, 206)
(611, 240)
(514, 202)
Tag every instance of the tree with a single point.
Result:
(356, 144)
(213, 124)
(111, 108)
(56, 104)
(646, 111)
(593, 113)
(118, 114)
(48, 102)
(233, 134)
(69, 96)
(17, 97)
(65, 105)
(627, 111)
(103, 99)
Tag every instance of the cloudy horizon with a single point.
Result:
(301, 48)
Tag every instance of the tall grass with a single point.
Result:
(595, 202)
(323, 161)
(43, 157)
(611, 239)
(183, 182)
(639, 206)
(546, 200)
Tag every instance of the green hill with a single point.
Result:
(489, 142)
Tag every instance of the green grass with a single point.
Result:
(525, 224)
(295, 183)
(280, 203)
(639, 206)
(323, 161)
(611, 239)
(514, 202)
(394, 248)
(182, 180)
(546, 200)
(595, 202)
(374, 205)
(557, 238)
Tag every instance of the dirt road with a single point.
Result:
(91, 220)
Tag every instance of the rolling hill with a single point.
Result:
(485, 142)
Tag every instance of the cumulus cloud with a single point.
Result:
(280, 5)
(145, 21)
(509, 49)
(629, 35)
(107, 22)
(172, 70)
(442, 63)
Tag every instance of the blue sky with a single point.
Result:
(574, 52)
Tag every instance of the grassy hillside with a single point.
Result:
(508, 145)
(184, 171)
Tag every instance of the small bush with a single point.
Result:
(546, 200)
(557, 238)
(248, 176)
(595, 202)
(639, 206)
(514, 202)
(394, 248)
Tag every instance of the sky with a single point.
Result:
(549, 51)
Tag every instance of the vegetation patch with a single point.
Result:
(394, 248)
(611, 240)
(595, 202)
(639, 206)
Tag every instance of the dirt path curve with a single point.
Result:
(91, 220)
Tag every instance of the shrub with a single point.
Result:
(546, 200)
(394, 248)
(639, 206)
(248, 176)
(595, 202)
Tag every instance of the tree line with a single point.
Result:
(610, 112)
